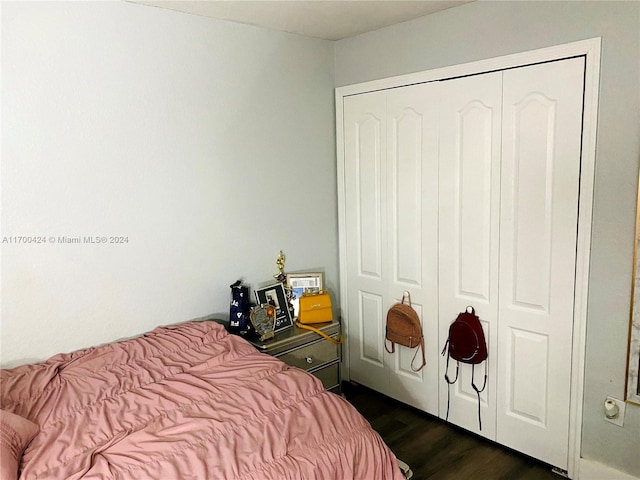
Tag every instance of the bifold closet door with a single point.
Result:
(412, 213)
(465, 192)
(470, 126)
(365, 151)
(542, 109)
(391, 209)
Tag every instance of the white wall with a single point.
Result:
(486, 29)
(210, 145)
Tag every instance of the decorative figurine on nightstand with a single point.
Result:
(282, 278)
(263, 318)
(239, 308)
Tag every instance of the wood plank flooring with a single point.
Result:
(436, 450)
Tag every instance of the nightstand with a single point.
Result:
(307, 350)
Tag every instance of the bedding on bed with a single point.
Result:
(187, 401)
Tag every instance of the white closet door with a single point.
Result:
(391, 185)
(365, 152)
(470, 125)
(538, 221)
(412, 213)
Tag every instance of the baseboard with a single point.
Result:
(590, 470)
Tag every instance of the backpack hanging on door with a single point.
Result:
(466, 344)
(403, 328)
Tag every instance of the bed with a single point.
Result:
(187, 401)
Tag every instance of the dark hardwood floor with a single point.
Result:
(436, 450)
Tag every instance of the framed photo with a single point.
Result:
(300, 283)
(275, 295)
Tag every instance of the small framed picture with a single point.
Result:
(301, 283)
(275, 295)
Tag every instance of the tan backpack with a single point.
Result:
(403, 328)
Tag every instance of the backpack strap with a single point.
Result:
(393, 347)
(472, 311)
(407, 294)
(424, 361)
(478, 391)
(445, 351)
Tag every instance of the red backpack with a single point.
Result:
(466, 344)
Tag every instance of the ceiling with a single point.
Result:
(327, 19)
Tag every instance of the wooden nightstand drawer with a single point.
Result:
(307, 350)
(311, 356)
(329, 376)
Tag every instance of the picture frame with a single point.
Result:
(275, 295)
(300, 283)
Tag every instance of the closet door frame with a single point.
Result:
(590, 50)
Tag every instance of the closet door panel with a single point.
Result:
(470, 129)
(369, 193)
(530, 200)
(365, 140)
(472, 190)
(371, 329)
(412, 210)
(539, 215)
(405, 161)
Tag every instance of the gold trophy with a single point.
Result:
(282, 278)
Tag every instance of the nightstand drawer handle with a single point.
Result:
(309, 360)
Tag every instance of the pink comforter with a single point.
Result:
(187, 402)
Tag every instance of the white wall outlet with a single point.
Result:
(614, 411)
